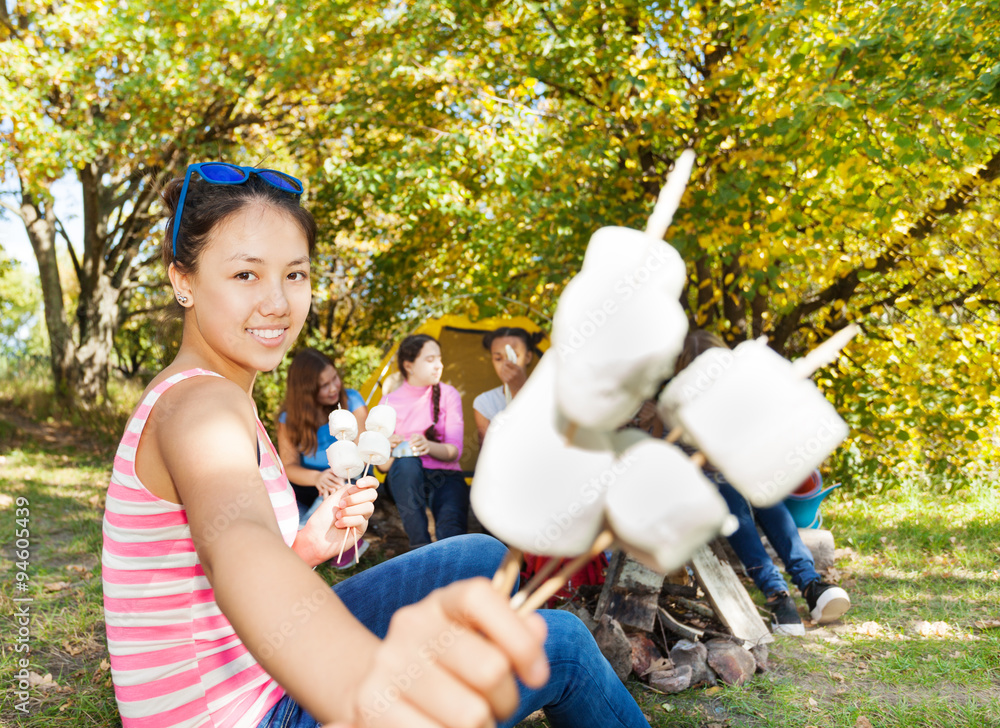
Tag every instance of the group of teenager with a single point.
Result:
(214, 613)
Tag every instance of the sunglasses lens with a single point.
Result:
(281, 181)
(222, 173)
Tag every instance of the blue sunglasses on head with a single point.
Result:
(222, 173)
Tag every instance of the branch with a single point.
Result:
(845, 287)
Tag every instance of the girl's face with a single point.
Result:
(328, 394)
(498, 352)
(251, 293)
(426, 369)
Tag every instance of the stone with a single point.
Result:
(733, 664)
(695, 656)
(615, 646)
(819, 541)
(671, 681)
(760, 654)
(644, 652)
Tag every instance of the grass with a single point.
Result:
(919, 648)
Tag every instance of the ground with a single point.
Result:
(921, 647)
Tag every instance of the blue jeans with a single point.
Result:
(414, 487)
(582, 692)
(777, 524)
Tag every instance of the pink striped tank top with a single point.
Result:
(175, 659)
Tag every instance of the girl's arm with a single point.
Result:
(482, 423)
(290, 458)
(450, 447)
(270, 596)
(297, 628)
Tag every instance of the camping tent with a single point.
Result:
(467, 367)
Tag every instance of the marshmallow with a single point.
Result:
(345, 459)
(662, 508)
(761, 425)
(694, 379)
(343, 425)
(532, 488)
(618, 328)
(374, 447)
(381, 419)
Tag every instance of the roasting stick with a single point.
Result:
(670, 196)
(352, 531)
(506, 575)
(548, 589)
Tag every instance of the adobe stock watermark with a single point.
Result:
(302, 611)
(428, 653)
(21, 634)
(811, 451)
(598, 316)
(591, 491)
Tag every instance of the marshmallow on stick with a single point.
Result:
(755, 418)
(381, 419)
(663, 508)
(345, 459)
(533, 488)
(374, 447)
(343, 424)
(618, 328)
(619, 325)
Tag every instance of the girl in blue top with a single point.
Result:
(314, 390)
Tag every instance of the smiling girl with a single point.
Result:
(213, 614)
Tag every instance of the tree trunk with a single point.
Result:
(40, 224)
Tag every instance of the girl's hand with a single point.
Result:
(329, 482)
(395, 439)
(420, 444)
(450, 660)
(349, 506)
(513, 376)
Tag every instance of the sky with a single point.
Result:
(69, 209)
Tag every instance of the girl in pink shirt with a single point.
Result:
(429, 425)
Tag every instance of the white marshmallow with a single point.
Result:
(618, 328)
(374, 447)
(694, 379)
(760, 424)
(662, 508)
(381, 419)
(343, 425)
(532, 489)
(345, 459)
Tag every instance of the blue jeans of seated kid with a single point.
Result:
(413, 487)
(779, 527)
(583, 691)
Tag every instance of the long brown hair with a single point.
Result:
(304, 415)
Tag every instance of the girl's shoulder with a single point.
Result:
(354, 399)
(449, 392)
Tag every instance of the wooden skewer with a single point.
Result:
(506, 574)
(352, 531)
(541, 575)
(547, 590)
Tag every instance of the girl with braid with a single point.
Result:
(429, 419)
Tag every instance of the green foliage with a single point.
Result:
(460, 154)
(22, 333)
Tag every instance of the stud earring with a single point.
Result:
(182, 299)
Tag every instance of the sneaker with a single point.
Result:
(351, 556)
(785, 618)
(827, 602)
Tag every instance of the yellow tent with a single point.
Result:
(467, 367)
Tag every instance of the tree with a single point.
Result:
(124, 94)
(848, 163)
